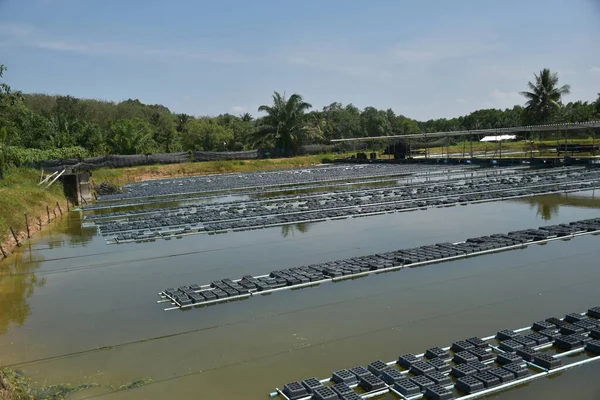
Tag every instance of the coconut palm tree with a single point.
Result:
(284, 125)
(545, 96)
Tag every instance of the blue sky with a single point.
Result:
(422, 58)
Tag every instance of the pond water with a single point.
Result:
(75, 309)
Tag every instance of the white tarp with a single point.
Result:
(498, 138)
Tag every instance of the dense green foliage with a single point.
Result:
(45, 122)
(544, 99)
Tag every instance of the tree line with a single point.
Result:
(96, 127)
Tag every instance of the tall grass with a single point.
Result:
(20, 193)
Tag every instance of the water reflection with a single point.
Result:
(286, 230)
(71, 233)
(17, 283)
(548, 206)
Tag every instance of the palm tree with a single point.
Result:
(284, 125)
(545, 96)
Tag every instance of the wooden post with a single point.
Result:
(3, 252)
(54, 211)
(48, 212)
(68, 205)
(27, 225)
(15, 236)
(59, 209)
(40, 223)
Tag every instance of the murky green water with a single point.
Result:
(77, 310)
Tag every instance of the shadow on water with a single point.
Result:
(18, 282)
(548, 206)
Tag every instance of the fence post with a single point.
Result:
(48, 212)
(54, 211)
(59, 209)
(15, 236)
(3, 252)
(68, 205)
(27, 225)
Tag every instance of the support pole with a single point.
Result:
(15, 236)
(27, 225)
(59, 209)
(3, 252)
(54, 211)
(68, 205)
(48, 212)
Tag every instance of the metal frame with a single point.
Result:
(492, 132)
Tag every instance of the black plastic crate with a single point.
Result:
(377, 367)
(461, 370)
(438, 392)
(506, 334)
(541, 325)
(518, 370)
(461, 345)
(527, 353)
(477, 342)
(324, 393)
(538, 338)
(391, 375)
(574, 317)
(569, 329)
(488, 380)
(595, 333)
(593, 346)
(479, 366)
(422, 382)
(294, 390)
(342, 389)
(438, 378)
(468, 384)
(360, 371)
(344, 376)
(406, 387)
(525, 341)
(502, 374)
(509, 358)
(586, 324)
(440, 365)
(311, 384)
(371, 382)
(407, 360)
(568, 342)
(464, 357)
(421, 368)
(436, 352)
(550, 333)
(555, 321)
(594, 312)
(510, 345)
(547, 361)
(482, 355)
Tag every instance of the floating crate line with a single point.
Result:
(183, 233)
(532, 375)
(325, 278)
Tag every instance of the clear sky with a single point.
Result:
(422, 58)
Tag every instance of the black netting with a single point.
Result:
(118, 161)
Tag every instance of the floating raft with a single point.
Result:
(468, 369)
(194, 295)
(176, 225)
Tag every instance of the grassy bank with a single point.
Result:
(120, 176)
(20, 193)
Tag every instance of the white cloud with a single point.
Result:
(238, 110)
(595, 70)
(26, 36)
